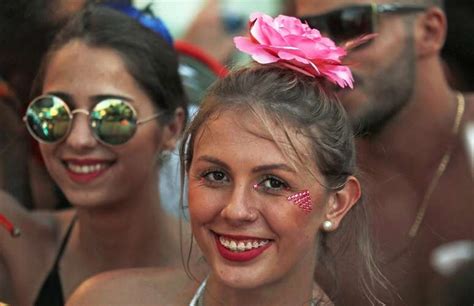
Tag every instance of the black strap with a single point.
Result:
(51, 293)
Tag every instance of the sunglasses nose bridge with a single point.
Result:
(80, 111)
(80, 134)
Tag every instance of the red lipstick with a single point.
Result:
(86, 170)
(240, 256)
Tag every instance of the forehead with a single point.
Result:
(76, 56)
(240, 136)
(310, 7)
(83, 70)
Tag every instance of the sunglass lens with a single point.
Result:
(48, 119)
(352, 23)
(318, 22)
(113, 121)
(343, 24)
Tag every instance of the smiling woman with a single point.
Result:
(271, 175)
(270, 165)
(108, 101)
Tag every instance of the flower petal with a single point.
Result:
(258, 52)
(295, 45)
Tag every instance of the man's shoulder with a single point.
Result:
(146, 286)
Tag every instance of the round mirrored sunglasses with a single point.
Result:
(113, 121)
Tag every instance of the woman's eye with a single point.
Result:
(215, 177)
(272, 184)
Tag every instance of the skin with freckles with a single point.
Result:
(405, 111)
(264, 213)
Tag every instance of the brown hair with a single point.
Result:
(301, 104)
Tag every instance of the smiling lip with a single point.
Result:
(86, 170)
(241, 255)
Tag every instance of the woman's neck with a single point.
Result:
(289, 292)
(125, 234)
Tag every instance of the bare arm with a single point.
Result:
(24, 259)
(12, 210)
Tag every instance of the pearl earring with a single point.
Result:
(327, 225)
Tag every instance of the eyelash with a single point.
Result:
(205, 177)
(272, 190)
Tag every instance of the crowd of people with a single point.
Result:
(330, 170)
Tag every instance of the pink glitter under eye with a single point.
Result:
(302, 200)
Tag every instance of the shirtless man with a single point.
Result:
(410, 127)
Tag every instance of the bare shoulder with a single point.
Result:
(22, 220)
(146, 286)
(34, 227)
(25, 259)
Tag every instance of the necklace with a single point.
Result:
(440, 170)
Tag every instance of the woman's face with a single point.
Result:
(239, 183)
(87, 171)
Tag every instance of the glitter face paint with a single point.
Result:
(14, 232)
(302, 200)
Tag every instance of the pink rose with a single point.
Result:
(294, 44)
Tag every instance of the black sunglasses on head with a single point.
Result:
(351, 22)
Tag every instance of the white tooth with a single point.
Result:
(255, 244)
(222, 240)
(233, 245)
(241, 246)
(86, 168)
(248, 246)
(227, 243)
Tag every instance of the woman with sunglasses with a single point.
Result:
(270, 164)
(109, 101)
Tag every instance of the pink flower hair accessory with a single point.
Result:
(295, 45)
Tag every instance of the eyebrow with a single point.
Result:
(268, 167)
(261, 168)
(213, 160)
(97, 98)
(64, 96)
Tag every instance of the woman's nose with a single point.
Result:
(80, 137)
(240, 209)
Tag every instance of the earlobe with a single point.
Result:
(173, 129)
(340, 203)
(430, 33)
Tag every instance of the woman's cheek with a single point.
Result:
(204, 202)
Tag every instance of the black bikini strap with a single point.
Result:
(65, 240)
